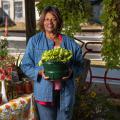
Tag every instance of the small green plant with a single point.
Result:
(3, 48)
(5, 59)
(56, 55)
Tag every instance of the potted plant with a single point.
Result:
(7, 63)
(55, 62)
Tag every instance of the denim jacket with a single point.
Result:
(43, 89)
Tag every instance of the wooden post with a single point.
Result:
(6, 26)
(30, 18)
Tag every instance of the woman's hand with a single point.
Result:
(42, 73)
(68, 76)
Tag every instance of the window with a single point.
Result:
(6, 7)
(18, 10)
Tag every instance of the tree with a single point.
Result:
(73, 12)
(111, 33)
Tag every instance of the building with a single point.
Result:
(14, 9)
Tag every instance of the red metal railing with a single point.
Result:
(105, 76)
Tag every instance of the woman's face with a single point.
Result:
(50, 23)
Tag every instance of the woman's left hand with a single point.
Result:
(68, 76)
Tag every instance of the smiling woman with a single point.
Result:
(51, 18)
(50, 23)
(54, 98)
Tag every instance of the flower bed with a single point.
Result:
(93, 106)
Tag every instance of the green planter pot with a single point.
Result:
(55, 70)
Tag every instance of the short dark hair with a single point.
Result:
(55, 11)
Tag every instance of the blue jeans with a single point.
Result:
(53, 113)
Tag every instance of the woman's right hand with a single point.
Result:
(42, 73)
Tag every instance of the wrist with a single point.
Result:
(40, 72)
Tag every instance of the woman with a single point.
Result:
(54, 100)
